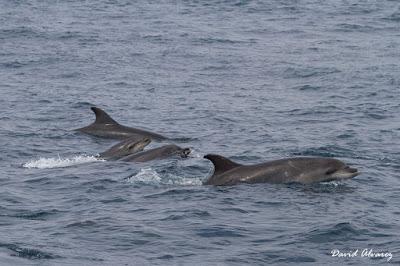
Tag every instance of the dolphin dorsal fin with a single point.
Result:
(102, 117)
(221, 164)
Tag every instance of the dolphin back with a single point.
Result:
(221, 165)
(106, 127)
(102, 117)
(153, 154)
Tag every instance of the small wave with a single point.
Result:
(40, 215)
(19, 32)
(345, 27)
(221, 231)
(187, 214)
(394, 17)
(326, 151)
(308, 87)
(338, 232)
(43, 163)
(83, 104)
(308, 72)
(216, 41)
(13, 64)
(28, 253)
(86, 223)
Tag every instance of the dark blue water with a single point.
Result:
(250, 80)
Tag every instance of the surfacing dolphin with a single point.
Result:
(158, 153)
(303, 170)
(106, 127)
(126, 147)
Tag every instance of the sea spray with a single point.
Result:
(43, 163)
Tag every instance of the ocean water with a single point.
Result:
(250, 80)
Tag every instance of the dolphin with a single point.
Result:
(303, 170)
(106, 127)
(126, 147)
(158, 153)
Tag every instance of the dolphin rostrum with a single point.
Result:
(158, 153)
(303, 170)
(126, 147)
(106, 127)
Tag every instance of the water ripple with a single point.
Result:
(339, 232)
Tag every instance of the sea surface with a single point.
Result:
(250, 80)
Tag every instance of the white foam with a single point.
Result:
(150, 176)
(43, 163)
(195, 154)
(145, 175)
(184, 181)
(333, 183)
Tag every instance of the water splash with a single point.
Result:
(195, 153)
(150, 176)
(145, 175)
(43, 163)
(182, 181)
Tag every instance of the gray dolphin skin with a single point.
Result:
(158, 153)
(303, 170)
(106, 127)
(126, 147)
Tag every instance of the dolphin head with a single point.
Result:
(337, 170)
(184, 153)
(312, 170)
(129, 146)
(343, 173)
(136, 146)
(178, 151)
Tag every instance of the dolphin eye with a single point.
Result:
(329, 172)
